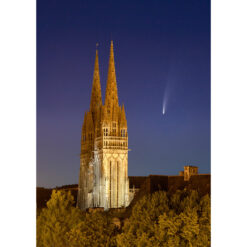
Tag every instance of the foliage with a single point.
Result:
(56, 220)
(96, 230)
(161, 219)
(139, 230)
(181, 219)
(63, 225)
(43, 195)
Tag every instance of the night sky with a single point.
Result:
(162, 49)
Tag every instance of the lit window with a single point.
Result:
(113, 132)
(123, 133)
(105, 132)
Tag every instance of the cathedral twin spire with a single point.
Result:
(103, 180)
(111, 95)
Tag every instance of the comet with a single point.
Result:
(169, 85)
(164, 108)
(165, 98)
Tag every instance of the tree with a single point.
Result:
(181, 219)
(96, 230)
(57, 219)
(139, 229)
(161, 219)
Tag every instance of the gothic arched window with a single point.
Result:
(114, 128)
(105, 131)
(123, 132)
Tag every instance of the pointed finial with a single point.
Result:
(97, 45)
(111, 49)
(123, 120)
(123, 110)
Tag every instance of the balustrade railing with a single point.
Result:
(112, 142)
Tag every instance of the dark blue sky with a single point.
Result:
(159, 46)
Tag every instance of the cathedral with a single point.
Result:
(103, 179)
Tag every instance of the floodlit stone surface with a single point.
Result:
(103, 179)
(190, 171)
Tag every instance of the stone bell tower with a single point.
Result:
(103, 179)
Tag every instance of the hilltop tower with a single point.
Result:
(103, 179)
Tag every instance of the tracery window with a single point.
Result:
(123, 133)
(105, 131)
(114, 131)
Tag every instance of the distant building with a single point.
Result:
(103, 179)
(188, 179)
(189, 171)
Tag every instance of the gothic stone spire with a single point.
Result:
(96, 99)
(111, 96)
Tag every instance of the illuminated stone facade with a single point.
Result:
(190, 171)
(103, 179)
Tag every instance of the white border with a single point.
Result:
(18, 122)
(18, 102)
(229, 122)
